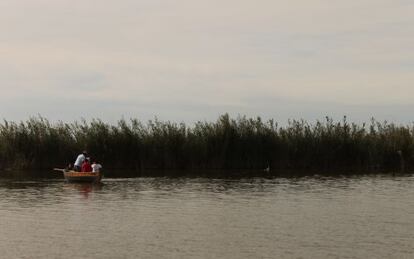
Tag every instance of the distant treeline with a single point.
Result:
(229, 143)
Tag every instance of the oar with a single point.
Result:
(59, 169)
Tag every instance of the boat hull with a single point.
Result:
(82, 177)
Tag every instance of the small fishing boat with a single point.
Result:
(84, 177)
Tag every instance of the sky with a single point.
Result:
(190, 60)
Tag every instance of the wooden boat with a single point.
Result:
(72, 176)
(84, 177)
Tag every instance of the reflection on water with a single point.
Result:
(309, 217)
(84, 188)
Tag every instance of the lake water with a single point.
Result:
(308, 217)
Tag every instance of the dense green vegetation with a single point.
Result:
(242, 143)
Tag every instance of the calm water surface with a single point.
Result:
(311, 217)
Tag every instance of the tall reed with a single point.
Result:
(228, 143)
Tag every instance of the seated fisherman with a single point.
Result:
(69, 167)
(96, 168)
(86, 165)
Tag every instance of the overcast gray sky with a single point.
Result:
(188, 60)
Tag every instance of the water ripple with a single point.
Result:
(316, 217)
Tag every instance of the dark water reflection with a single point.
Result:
(308, 217)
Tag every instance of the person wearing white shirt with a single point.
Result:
(79, 160)
(96, 168)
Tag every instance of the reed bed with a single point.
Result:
(229, 143)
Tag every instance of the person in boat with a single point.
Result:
(69, 167)
(77, 166)
(86, 166)
(96, 167)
